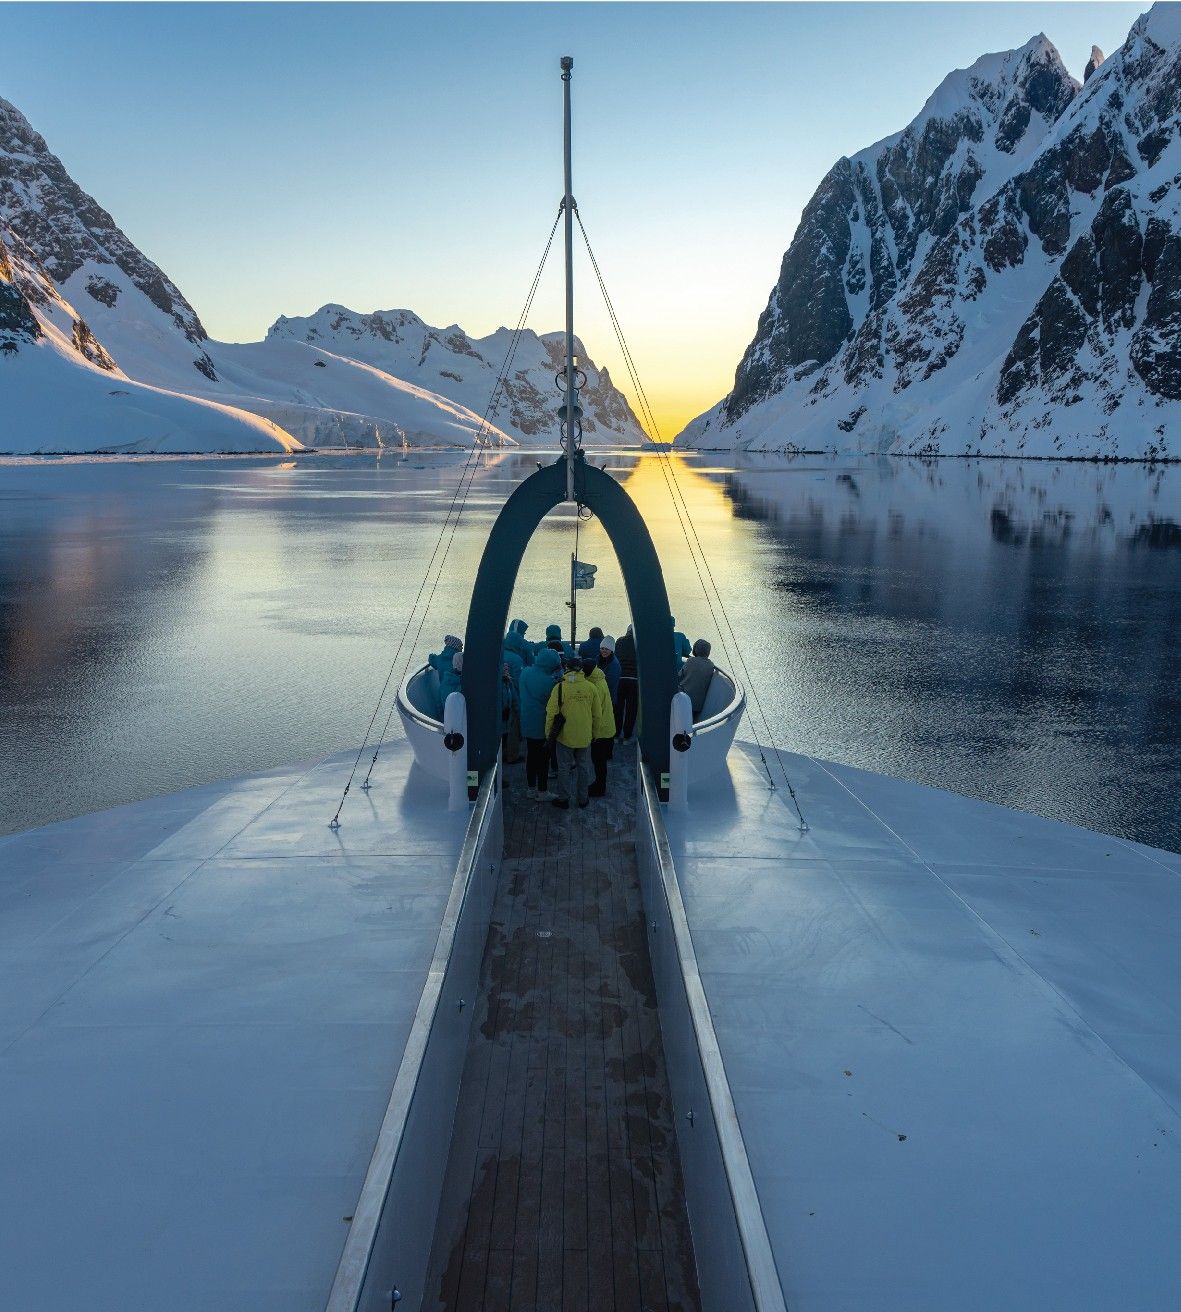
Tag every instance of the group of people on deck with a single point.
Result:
(570, 705)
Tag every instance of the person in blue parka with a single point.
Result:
(513, 654)
(528, 649)
(537, 682)
(553, 634)
(590, 648)
(681, 645)
(442, 663)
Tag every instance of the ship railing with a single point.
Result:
(712, 735)
(715, 728)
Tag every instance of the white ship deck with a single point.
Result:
(204, 1000)
(952, 1033)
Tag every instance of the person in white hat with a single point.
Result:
(627, 696)
(603, 747)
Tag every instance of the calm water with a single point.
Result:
(1004, 629)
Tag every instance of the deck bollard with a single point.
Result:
(455, 740)
(680, 734)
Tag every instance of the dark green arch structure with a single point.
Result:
(493, 592)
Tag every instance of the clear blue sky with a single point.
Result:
(274, 157)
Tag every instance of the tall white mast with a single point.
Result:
(572, 410)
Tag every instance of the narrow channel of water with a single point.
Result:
(1005, 629)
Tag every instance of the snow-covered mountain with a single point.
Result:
(1003, 277)
(60, 390)
(335, 379)
(448, 361)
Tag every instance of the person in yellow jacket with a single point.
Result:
(604, 742)
(577, 701)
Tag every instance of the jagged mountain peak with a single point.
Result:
(1004, 275)
(333, 318)
(16, 132)
(89, 258)
(1161, 24)
(1097, 58)
(994, 86)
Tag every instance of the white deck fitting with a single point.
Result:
(1003, 991)
(204, 1000)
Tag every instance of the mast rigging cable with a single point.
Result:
(685, 518)
(454, 512)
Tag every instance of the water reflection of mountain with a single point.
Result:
(62, 560)
(1019, 503)
(1008, 630)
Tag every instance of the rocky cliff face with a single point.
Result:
(999, 278)
(82, 249)
(29, 299)
(464, 369)
(18, 323)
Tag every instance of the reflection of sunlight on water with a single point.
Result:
(542, 589)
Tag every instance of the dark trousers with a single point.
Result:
(537, 764)
(602, 750)
(627, 704)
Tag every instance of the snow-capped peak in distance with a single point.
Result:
(1001, 277)
(465, 369)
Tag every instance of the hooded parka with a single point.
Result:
(537, 682)
(580, 706)
(598, 681)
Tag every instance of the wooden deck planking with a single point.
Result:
(563, 1189)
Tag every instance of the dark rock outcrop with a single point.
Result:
(70, 233)
(873, 216)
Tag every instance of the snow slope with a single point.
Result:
(1002, 278)
(448, 361)
(328, 400)
(61, 391)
